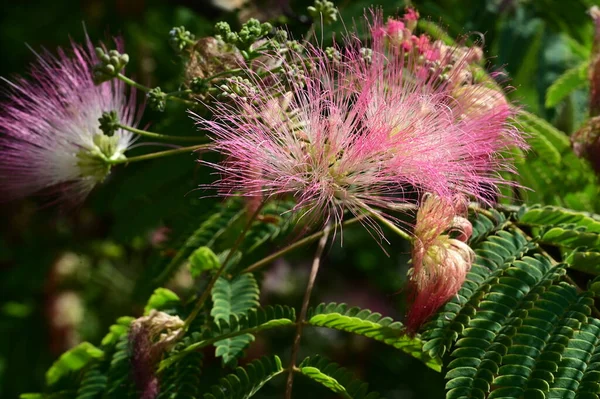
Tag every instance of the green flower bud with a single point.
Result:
(157, 99)
(325, 10)
(109, 123)
(180, 38)
(110, 65)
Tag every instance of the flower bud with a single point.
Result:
(440, 263)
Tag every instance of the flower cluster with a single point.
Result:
(345, 133)
(50, 129)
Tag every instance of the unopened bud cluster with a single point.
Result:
(109, 122)
(110, 64)
(157, 99)
(323, 10)
(251, 31)
(180, 38)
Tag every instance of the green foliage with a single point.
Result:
(201, 260)
(553, 174)
(567, 83)
(254, 321)
(119, 383)
(93, 383)
(336, 378)
(182, 381)
(515, 328)
(161, 299)
(233, 297)
(584, 261)
(372, 325)
(205, 235)
(245, 382)
(276, 219)
(73, 360)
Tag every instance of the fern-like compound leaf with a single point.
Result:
(494, 255)
(566, 84)
(245, 382)
(233, 298)
(182, 381)
(254, 321)
(203, 235)
(336, 378)
(372, 325)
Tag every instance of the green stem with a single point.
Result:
(178, 93)
(159, 136)
(161, 154)
(133, 83)
(209, 341)
(146, 89)
(300, 243)
(377, 215)
(215, 277)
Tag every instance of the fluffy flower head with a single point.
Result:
(440, 262)
(50, 136)
(356, 131)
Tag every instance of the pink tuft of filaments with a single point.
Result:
(50, 136)
(366, 129)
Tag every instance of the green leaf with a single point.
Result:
(245, 382)
(203, 235)
(233, 297)
(72, 360)
(117, 330)
(201, 260)
(567, 83)
(162, 298)
(538, 127)
(335, 378)
(554, 216)
(256, 320)
(372, 325)
(570, 236)
(325, 380)
(587, 262)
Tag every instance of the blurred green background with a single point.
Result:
(65, 276)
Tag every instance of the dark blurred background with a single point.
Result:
(65, 276)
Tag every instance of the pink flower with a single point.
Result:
(50, 137)
(305, 137)
(446, 141)
(357, 133)
(440, 263)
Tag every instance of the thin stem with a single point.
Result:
(300, 322)
(161, 154)
(133, 83)
(178, 92)
(300, 243)
(213, 280)
(159, 136)
(146, 89)
(377, 215)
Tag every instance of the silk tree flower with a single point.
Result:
(440, 262)
(50, 136)
(302, 135)
(360, 133)
(451, 132)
